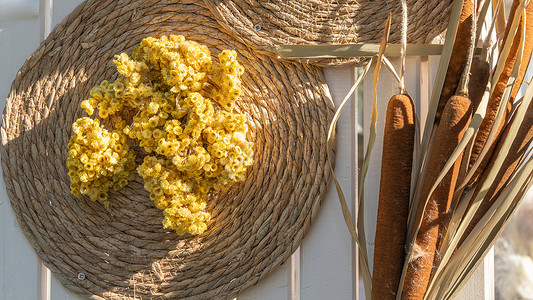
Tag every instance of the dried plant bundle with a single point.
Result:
(473, 166)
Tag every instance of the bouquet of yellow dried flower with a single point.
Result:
(183, 119)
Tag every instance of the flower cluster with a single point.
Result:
(184, 120)
(98, 160)
(227, 77)
(182, 201)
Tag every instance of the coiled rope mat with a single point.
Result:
(265, 24)
(125, 252)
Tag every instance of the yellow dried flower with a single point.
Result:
(101, 166)
(198, 143)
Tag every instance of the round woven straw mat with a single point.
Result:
(264, 24)
(124, 252)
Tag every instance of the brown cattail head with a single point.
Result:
(458, 58)
(528, 49)
(393, 206)
(455, 119)
(517, 150)
(479, 78)
(497, 93)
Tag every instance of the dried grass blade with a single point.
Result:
(464, 249)
(367, 280)
(486, 44)
(467, 137)
(391, 68)
(499, 116)
(505, 98)
(498, 160)
(478, 116)
(459, 205)
(465, 141)
(467, 265)
(499, 15)
(468, 216)
(371, 138)
(458, 269)
(492, 225)
(481, 18)
(509, 41)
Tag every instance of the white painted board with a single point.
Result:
(328, 255)
(19, 267)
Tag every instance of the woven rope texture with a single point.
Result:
(264, 24)
(124, 252)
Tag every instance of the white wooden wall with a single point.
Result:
(324, 267)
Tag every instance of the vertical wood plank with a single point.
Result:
(61, 8)
(46, 286)
(481, 283)
(45, 26)
(295, 282)
(45, 18)
(19, 267)
(488, 274)
(327, 253)
(273, 287)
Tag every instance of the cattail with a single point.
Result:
(479, 77)
(528, 49)
(517, 150)
(496, 96)
(433, 218)
(395, 186)
(393, 206)
(458, 57)
(455, 119)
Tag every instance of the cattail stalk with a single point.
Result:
(497, 93)
(433, 215)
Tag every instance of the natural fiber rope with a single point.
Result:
(125, 252)
(264, 24)
(404, 45)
